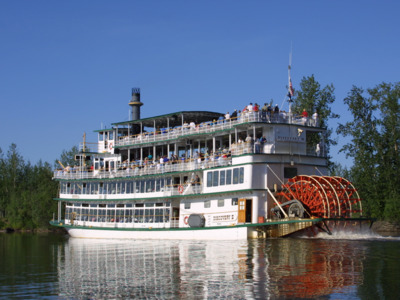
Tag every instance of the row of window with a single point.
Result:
(128, 213)
(220, 203)
(225, 177)
(112, 187)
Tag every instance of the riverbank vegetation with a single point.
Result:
(372, 141)
(26, 192)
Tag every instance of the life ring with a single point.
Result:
(180, 189)
(185, 220)
(110, 146)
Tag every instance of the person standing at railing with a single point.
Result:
(276, 113)
(304, 115)
(269, 112)
(315, 118)
(256, 112)
(264, 110)
(234, 115)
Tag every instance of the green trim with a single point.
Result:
(104, 130)
(161, 197)
(166, 174)
(61, 224)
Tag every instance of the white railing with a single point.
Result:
(137, 170)
(212, 126)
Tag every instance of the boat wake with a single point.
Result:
(350, 235)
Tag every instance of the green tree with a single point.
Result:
(67, 157)
(26, 192)
(313, 98)
(375, 136)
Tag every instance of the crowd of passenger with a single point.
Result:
(250, 113)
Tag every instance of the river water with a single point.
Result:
(343, 266)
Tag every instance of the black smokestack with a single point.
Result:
(135, 104)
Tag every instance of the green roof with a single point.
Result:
(175, 119)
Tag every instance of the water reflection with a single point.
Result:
(281, 268)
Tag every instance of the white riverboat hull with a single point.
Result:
(230, 233)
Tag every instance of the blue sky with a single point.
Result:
(66, 67)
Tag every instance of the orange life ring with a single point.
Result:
(180, 189)
(185, 220)
(110, 146)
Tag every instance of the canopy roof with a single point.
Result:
(175, 119)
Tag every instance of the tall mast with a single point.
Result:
(290, 87)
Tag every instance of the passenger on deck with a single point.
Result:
(249, 139)
(269, 112)
(315, 119)
(234, 115)
(264, 110)
(276, 113)
(263, 140)
(257, 146)
(227, 116)
(305, 117)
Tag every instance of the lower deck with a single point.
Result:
(270, 228)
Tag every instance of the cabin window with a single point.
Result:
(289, 172)
(241, 175)
(234, 201)
(111, 135)
(221, 202)
(215, 178)
(207, 203)
(228, 176)
(187, 205)
(235, 176)
(209, 179)
(222, 178)
(101, 136)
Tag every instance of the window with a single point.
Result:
(222, 178)
(207, 203)
(241, 175)
(209, 179)
(229, 176)
(235, 176)
(187, 205)
(215, 178)
(221, 202)
(234, 201)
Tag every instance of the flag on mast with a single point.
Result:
(291, 91)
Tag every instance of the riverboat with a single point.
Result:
(257, 172)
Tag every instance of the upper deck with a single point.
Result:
(185, 125)
(183, 130)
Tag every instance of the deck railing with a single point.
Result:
(140, 170)
(212, 126)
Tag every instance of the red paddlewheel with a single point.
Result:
(323, 196)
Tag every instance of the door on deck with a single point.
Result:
(245, 209)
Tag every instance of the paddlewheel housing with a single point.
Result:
(322, 196)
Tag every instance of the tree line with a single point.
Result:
(27, 191)
(374, 141)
